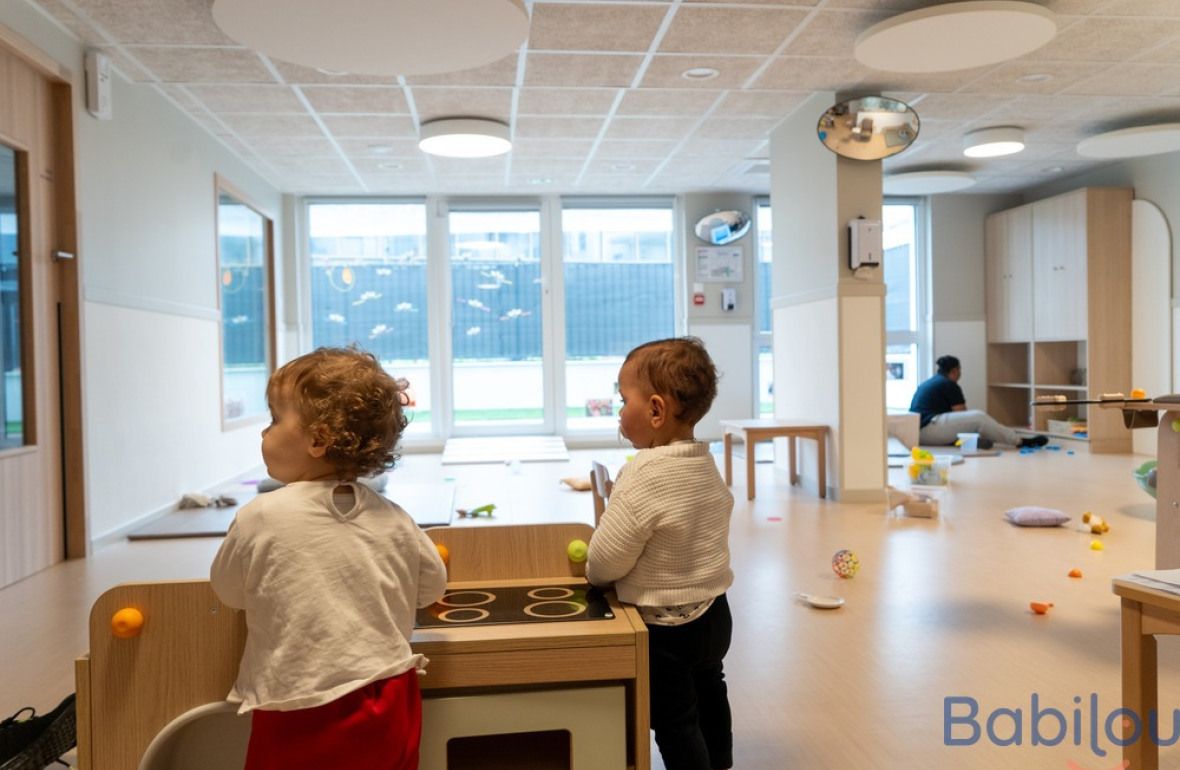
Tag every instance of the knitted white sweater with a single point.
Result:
(664, 538)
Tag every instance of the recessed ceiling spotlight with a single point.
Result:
(1132, 142)
(330, 73)
(464, 138)
(1053, 170)
(380, 149)
(993, 142)
(622, 167)
(540, 180)
(1035, 77)
(390, 166)
(955, 36)
(700, 73)
(926, 182)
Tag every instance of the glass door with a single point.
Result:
(498, 373)
(905, 311)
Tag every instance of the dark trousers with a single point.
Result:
(689, 699)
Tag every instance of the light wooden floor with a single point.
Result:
(939, 609)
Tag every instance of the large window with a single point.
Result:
(619, 293)
(496, 318)
(369, 289)
(244, 265)
(12, 403)
(904, 301)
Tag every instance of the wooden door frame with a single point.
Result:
(69, 316)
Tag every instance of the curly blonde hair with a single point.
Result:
(678, 368)
(345, 399)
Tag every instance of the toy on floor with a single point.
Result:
(1075, 573)
(845, 564)
(1096, 545)
(1094, 524)
(916, 504)
(1040, 608)
(483, 510)
(928, 470)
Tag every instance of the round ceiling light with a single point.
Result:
(464, 138)
(993, 142)
(955, 36)
(377, 37)
(926, 182)
(1132, 142)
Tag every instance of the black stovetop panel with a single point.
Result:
(516, 604)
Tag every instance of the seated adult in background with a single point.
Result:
(940, 402)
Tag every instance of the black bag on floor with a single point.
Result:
(30, 742)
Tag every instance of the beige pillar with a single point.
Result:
(829, 325)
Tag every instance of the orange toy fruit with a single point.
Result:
(1040, 607)
(1075, 573)
(1138, 393)
(444, 553)
(127, 623)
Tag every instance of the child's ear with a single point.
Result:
(658, 408)
(318, 446)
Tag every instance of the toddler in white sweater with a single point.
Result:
(663, 542)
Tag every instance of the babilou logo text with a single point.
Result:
(1084, 723)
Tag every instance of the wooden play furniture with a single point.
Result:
(753, 431)
(1147, 613)
(187, 654)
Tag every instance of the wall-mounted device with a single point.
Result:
(864, 243)
(728, 300)
(98, 84)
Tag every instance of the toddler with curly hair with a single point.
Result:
(330, 575)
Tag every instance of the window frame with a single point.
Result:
(221, 186)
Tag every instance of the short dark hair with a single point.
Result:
(946, 364)
(345, 398)
(678, 368)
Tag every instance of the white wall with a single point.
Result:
(146, 251)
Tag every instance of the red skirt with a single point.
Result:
(377, 727)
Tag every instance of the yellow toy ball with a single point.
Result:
(1096, 545)
(845, 564)
(444, 553)
(576, 551)
(127, 623)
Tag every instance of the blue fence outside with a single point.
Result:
(610, 308)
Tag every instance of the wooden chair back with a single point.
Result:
(600, 486)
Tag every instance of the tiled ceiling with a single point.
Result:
(597, 102)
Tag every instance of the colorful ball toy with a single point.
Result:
(845, 564)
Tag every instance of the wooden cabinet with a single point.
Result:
(1009, 275)
(1059, 267)
(1059, 310)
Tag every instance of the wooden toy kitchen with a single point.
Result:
(529, 667)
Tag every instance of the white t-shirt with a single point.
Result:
(330, 595)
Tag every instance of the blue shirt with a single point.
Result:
(937, 395)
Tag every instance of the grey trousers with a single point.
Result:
(944, 428)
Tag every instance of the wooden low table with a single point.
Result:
(753, 431)
(1147, 613)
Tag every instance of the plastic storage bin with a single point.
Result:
(931, 473)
